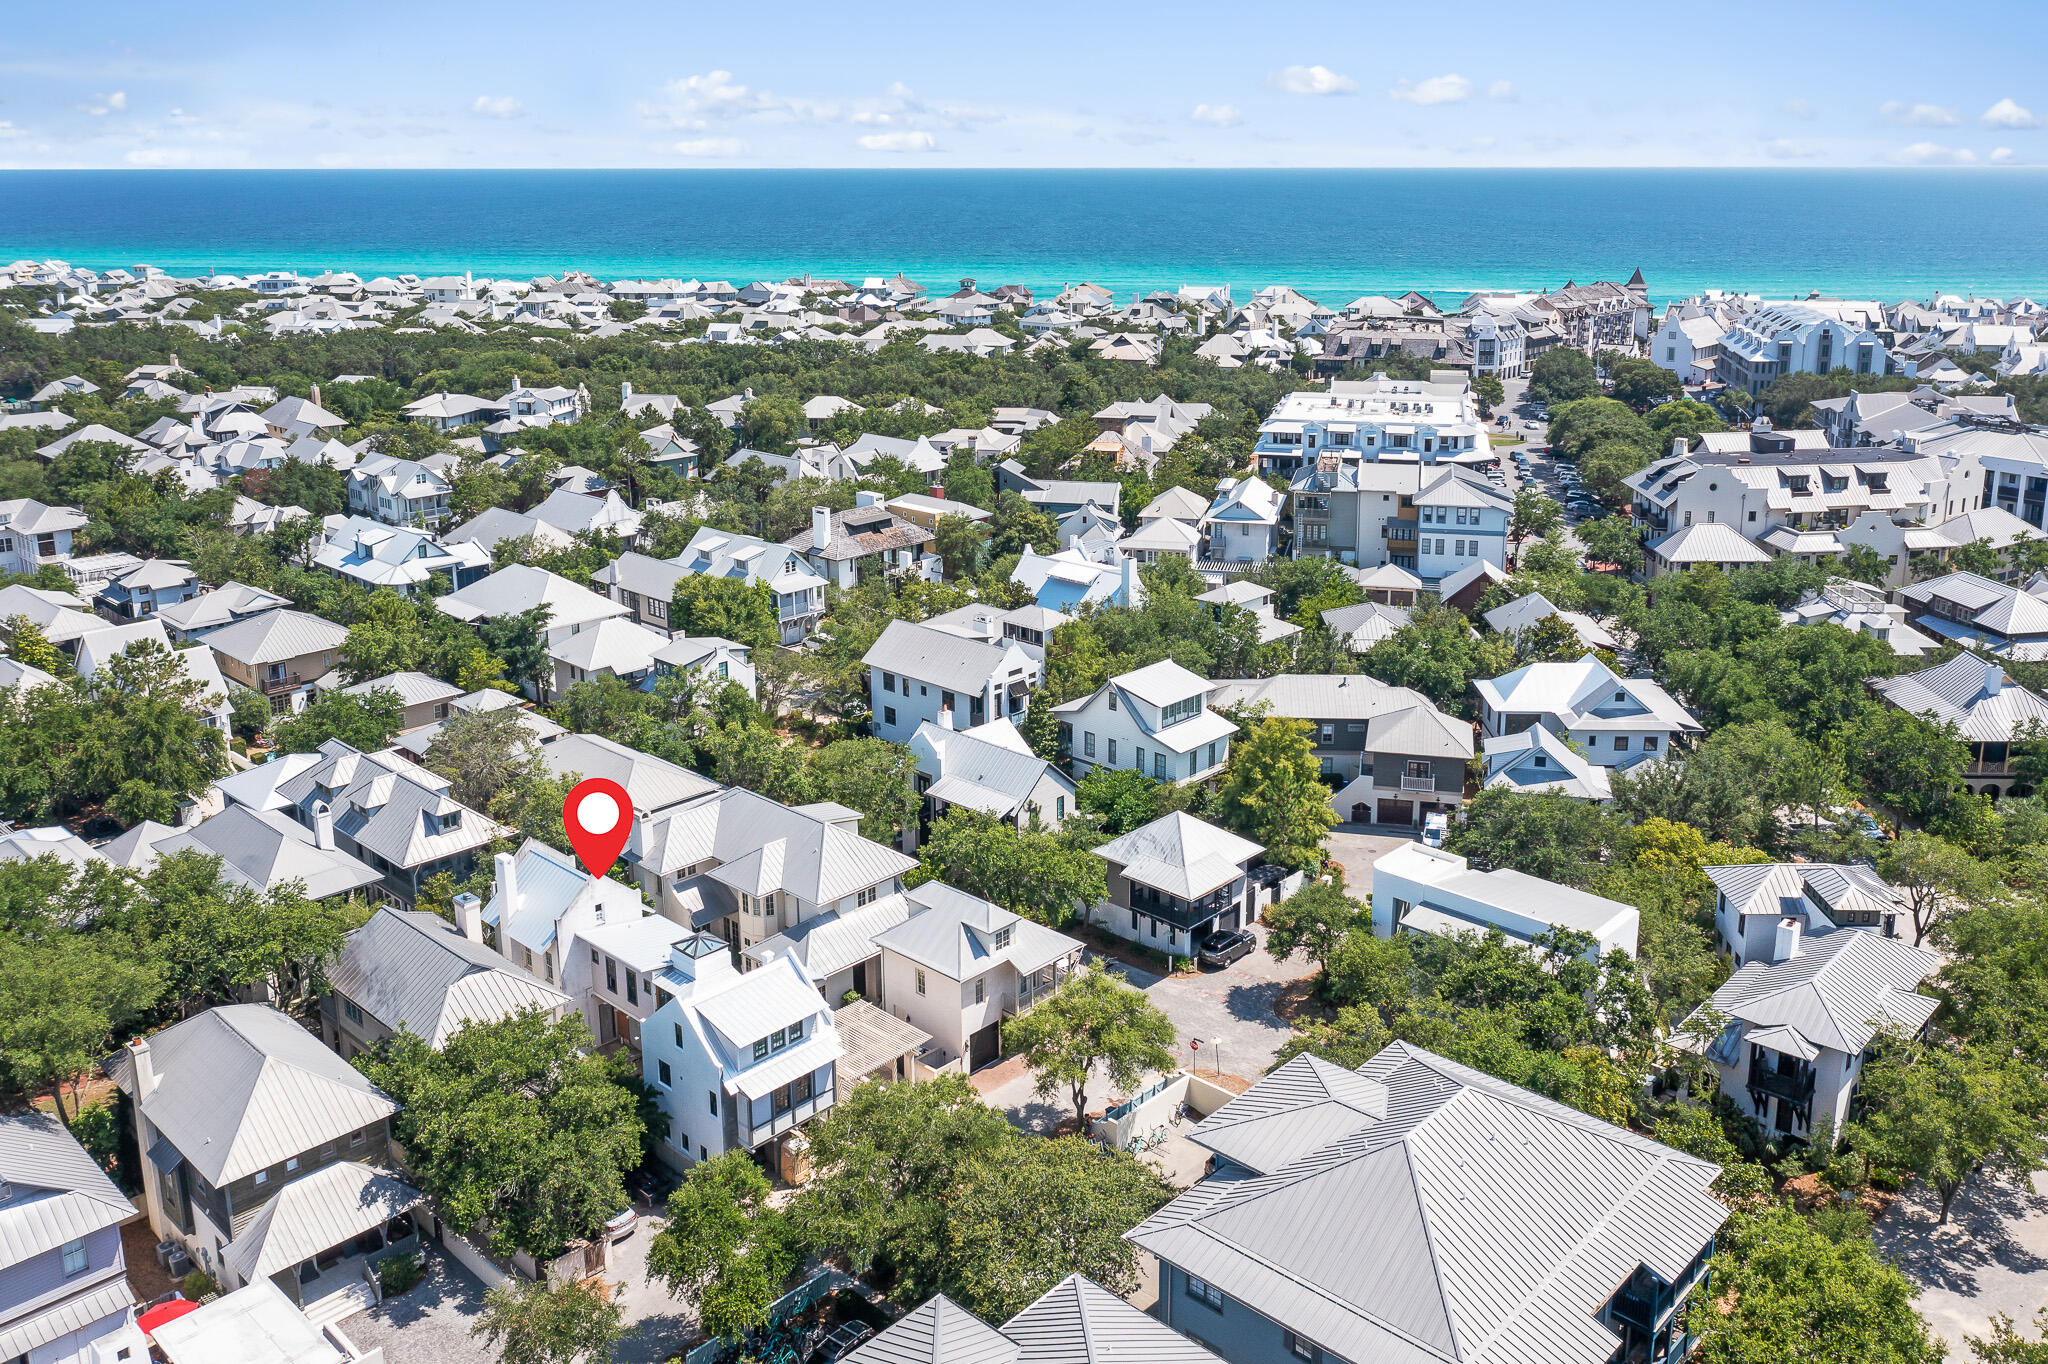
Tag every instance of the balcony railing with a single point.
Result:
(1418, 783)
(289, 682)
(1027, 997)
(793, 1116)
(1766, 1080)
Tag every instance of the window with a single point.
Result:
(662, 1067)
(1541, 761)
(352, 1013)
(74, 1258)
(760, 1048)
(1329, 734)
(888, 715)
(611, 975)
(1138, 761)
(1059, 807)
(1649, 743)
(262, 1178)
(1112, 752)
(888, 681)
(1621, 743)
(632, 995)
(1088, 743)
(712, 1095)
(1159, 766)
(796, 1032)
(355, 1139)
(679, 1034)
(1301, 1349)
(778, 1039)
(1205, 1293)
(980, 992)
(291, 1163)
(920, 982)
(1003, 937)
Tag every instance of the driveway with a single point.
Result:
(1992, 1256)
(661, 1325)
(1355, 847)
(429, 1325)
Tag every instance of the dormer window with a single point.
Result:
(1002, 938)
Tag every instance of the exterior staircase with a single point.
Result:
(341, 1304)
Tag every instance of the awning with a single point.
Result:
(317, 1212)
(62, 1318)
(1786, 1040)
(778, 1071)
(164, 1156)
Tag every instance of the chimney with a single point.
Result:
(938, 490)
(144, 1067)
(1786, 946)
(1994, 679)
(821, 528)
(323, 826)
(316, 395)
(945, 717)
(1677, 447)
(174, 361)
(469, 916)
(625, 390)
(1127, 592)
(508, 885)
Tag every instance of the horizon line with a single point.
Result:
(940, 169)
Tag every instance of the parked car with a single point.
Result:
(651, 1184)
(1434, 827)
(1221, 949)
(621, 1225)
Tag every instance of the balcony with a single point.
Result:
(1027, 997)
(1765, 1079)
(796, 1115)
(288, 682)
(1424, 784)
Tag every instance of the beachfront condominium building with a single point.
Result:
(1367, 420)
(1762, 347)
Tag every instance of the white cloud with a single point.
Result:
(1220, 115)
(1790, 149)
(497, 106)
(1919, 115)
(158, 156)
(2006, 114)
(898, 142)
(1933, 154)
(898, 90)
(1501, 90)
(710, 146)
(1435, 90)
(2001, 154)
(1311, 80)
(7, 129)
(119, 100)
(1796, 108)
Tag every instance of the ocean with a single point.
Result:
(1334, 234)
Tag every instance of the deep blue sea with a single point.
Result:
(1332, 233)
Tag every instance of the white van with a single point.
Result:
(1434, 827)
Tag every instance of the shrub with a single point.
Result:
(398, 1273)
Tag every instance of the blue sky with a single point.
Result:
(886, 82)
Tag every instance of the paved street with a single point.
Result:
(1992, 1257)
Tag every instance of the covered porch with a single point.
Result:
(322, 1234)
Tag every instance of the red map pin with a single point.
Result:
(597, 816)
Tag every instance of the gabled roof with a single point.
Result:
(315, 1212)
(763, 843)
(1474, 1222)
(276, 637)
(653, 783)
(1181, 855)
(519, 587)
(955, 934)
(1078, 1321)
(1974, 695)
(939, 1332)
(53, 1191)
(1297, 1108)
(941, 658)
(413, 970)
(242, 1088)
(263, 850)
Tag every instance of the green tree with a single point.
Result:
(729, 608)
(484, 753)
(1934, 876)
(1314, 921)
(1578, 428)
(1606, 466)
(1642, 382)
(141, 744)
(249, 712)
(62, 1000)
(1946, 1113)
(960, 543)
(1546, 834)
(1047, 1209)
(1784, 1289)
(1016, 523)
(1026, 872)
(772, 423)
(873, 776)
(529, 1322)
(1123, 799)
(723, 1245)
(1536, 515)
(2007, 1346)
(1273, 793)
(1562, 374)
(28, 646)
(1490, 392)
(522, 642)
(514, 1127)
(1865, 565)
(1092, 1022)
(1911, 764)
(1437, 654)
(1980, 557)
(363, 720)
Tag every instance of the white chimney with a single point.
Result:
(821, 527)
(1128, 592)
(323, 826)
(144, 1067)
(945, 717)
(625, 390)
(1994, 679)
(1677, 447)
(1786, 946)
(316, 395)
(469, 916)
(867, 497)
(174, 361)
(508, 885)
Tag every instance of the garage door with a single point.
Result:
(1397, 811)
(1227, 920)
(983, 1046)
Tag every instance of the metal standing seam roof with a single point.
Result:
(979, 771)
(62, 1318)
(1181, 855)
(820, 862)
(1475, 1222)
(954, 934)
(383, 800)
(411, 689)
(413, 970)
(1841, 988)
(1974, 695)
(242, 1087)
(262, 850)
(1078, 1321)
(1775, 887)
(316, 1212)
(550, 885)
(942, 659)
(519, 587)
(275, 637)
(940, 1331)
(57, 1193)
(834, 941)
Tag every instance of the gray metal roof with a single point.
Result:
(276, 637)
(1181, 855)
(812, 858)
(954, 934)
(316, 1212)
(829, 943)
(53, 1190)
(388, 804)
(980, 768)
(939, 1332)
(263, 850)
(411, 689)
(414, 970)
(942, 659)
(241, 1088)
(1474, 1222)
(653, 783)
(1971, 693)
(1837, 992)
(1398, 715)
(72, 1314)
(1078, 1321)
(1298, 1108)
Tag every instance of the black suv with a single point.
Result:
(1221, 949)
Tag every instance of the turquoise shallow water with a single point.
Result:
(1334, 234)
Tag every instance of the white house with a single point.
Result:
(987, 768)
(1155, 721)
(1751, 899)
(1242, 522)
(916, 672)
(1420, 889)
(1615, 721)
(736, 1060)
(399, 492)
